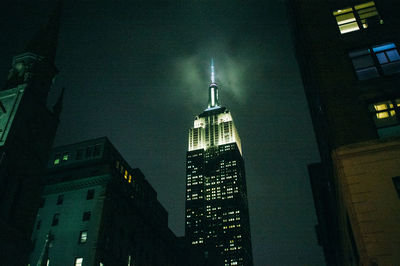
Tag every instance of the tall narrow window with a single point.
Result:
(97, 149)
(60, 199)
(55, 220)
(83, 237)
(89, 151)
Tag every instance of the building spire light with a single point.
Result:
(212, 71)
(212, 90)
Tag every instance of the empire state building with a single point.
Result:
(217, 218)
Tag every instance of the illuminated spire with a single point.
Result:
(213, 89)
(212, 71)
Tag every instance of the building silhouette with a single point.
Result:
(27, 130)
(97, 210)
(349, 58)
(217, 217)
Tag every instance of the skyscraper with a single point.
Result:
(27, 130)
(217, 218)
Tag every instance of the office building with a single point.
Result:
(97, 210)
(349, 58)
(27, 130)
(217, 218)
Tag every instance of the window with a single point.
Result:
(376, 61)
(79, 154)
(65, 156)
(396, 182)
(78, 261)
(83, 236)
(86, 216)
(96, 150)
(386, 115)
(90, 194)
(357, 17)
(55, 219)
(88, 151)
(60, 199)
(57, 159)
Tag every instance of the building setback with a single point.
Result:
(349, 58)
(27, 130)
(217, 218)
(97, 210)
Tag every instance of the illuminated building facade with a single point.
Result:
(217, 218)
(349, 58)
(27, 130)
(97, 210)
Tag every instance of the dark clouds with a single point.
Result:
(138, 72)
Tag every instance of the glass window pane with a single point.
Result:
(391, 68)
(359, 52)
(393, 55)
(353, 26)
(381, 106)
(363, 62)
(367, 73)
(345, 18)
(365, 5)
(342, 11)
(383, 47)
(382, 58)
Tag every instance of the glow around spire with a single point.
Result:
(212, 71)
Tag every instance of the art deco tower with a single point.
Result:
(217, 218)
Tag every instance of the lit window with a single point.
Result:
(78, 261)
(65, 156)
(83, 236)
(126, 174)
(57, 159)
(386, 116)
(376, 61)
(130, 179)
(356, 17)
(396, 182)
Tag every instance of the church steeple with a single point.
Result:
(213, 89)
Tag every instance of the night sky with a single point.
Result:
(138, 73)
